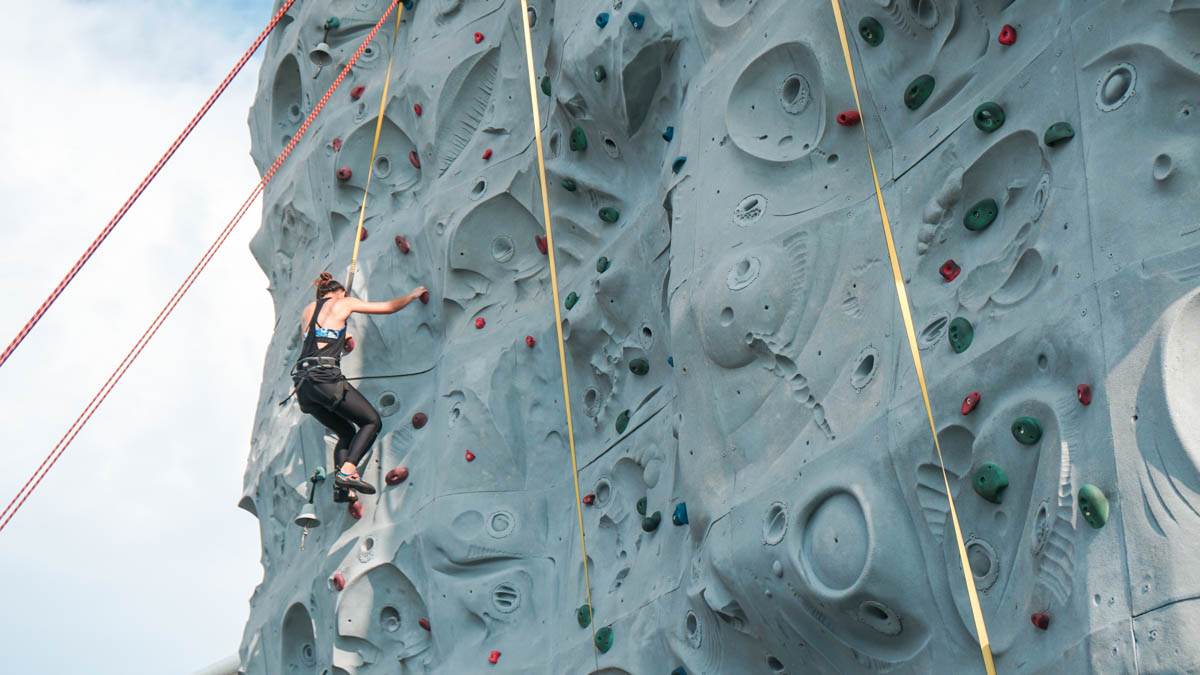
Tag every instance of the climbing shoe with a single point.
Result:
(353, 481)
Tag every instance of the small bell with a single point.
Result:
(320, 55)
(306, 519)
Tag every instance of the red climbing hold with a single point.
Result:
(1041, 620)
(349, 346)
(424, 298)
(541, 243)
(412, 157)
(417, 109)
(1084, 392)
(530, 341)
(363, 235)
(970, 402)
(344, 173)
(357, 92)
(396, 476)
(849, 118)
(356, 509)
(337, 144)
(424, 623)
(470, 456)
(589, 499)
(339, 581)
(487, 154)
(1008, 35)
(478, 39)
(949, 270)
(494, 656)
(480, 323)
(419, 420)
(402, 244)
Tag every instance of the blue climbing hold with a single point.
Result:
(669, 134)
(678, 164)
(680, 515)
(637, 19)
(671, 361)
(409, 4)
(679, 671)
(602, 19)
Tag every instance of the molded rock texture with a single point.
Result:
(777, 397)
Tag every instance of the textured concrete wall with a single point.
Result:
(790, 421)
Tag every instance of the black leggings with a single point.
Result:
(353, 409)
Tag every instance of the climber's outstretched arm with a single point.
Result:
(386, 307)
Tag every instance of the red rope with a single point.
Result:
(62, 285)
(90, 409)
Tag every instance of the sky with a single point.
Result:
(132, 556)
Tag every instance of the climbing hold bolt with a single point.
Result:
(960, 333)
(602, 19)
(602, 264)
(339, 581)
(589, 499)
(1059, 132)
(356, 509)
(478, 37)
(849, 118)
(578, 141)
(639, 366)
(622, 421)
(546, 85)
(337, 144)
(424, 298)
(529, 341)
(402, 244)
(604, 639)
(344, 173)
(414, 159)
(918, 91)
(332, 23)
(1094, 505)
(680, 515)
(978, 217)
(609, 215)
(599, 73)
(417, 109)
(970, 402)
(396, 476)
(669, 134)
(487, 154)
(349, 344)
(541, 243)
(989, 117)
(1040, 620)
(871, 30)
(1027, 430)
(1008, 35)
(677, 165)
(469, 455)
(584, 615)
(989, 482)
(357, 92)
(949, 270)
(495, 655)
(641, 506)
(650, 523)
(419, 420)
(479, 322)
(637, 20)
(572, 298)
(1084, 393)
(424, 623)
(569, 185)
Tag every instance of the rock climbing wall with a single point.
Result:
(763, 494)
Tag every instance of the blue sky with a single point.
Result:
(132, 556)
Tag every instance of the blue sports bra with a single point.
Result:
(327, 333)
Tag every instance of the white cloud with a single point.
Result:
(132, 556)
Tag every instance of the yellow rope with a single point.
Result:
(562, 353)
(362, 212)
(902, 297)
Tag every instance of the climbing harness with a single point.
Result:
(58, 450)
(362, 212)
(562, 354)
(187, 130)
(360, 377)
(902, 297)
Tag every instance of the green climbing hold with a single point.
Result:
(989, 117)
(871, 30)
(979, 216)
(622, 421)
(568, 184)
(332, 23)
(990, 481)
(578, 139)
(609, 215)
(1059, 132)
(572, 298)
(650, 523)
(1027, 430)
(961, 333)
(1093, 505)
(918, 91)
(546, 85)
(584, 615)
(639, 366)
(604, 639)
(600, 73)
(318, 475)
(602, 264)
(641, 506)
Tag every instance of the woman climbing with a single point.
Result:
(323, 391)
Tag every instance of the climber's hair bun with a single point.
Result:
(326, 284)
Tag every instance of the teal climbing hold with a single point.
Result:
(599, 73)
(602, 264)
(637, 19)
(960, 334)
(578, 141)
(680, 515)
(584, 615)
(602, 19)
(650, 523)
(622, 421)
(678, 164)
(318, 475)
(639, 366)
(604, 639)
(609, 215)
(332, 23)
(1059, 132)
(671, 361)
(568, 184)
(980, 215)
(641, 506)
(572, 298)
(918, 91)
(669, 134)
(871, 30)
(1027, 430)
(1093, 505)
(989, 117)
(679, 671)
(990, 481)
(546, 85)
